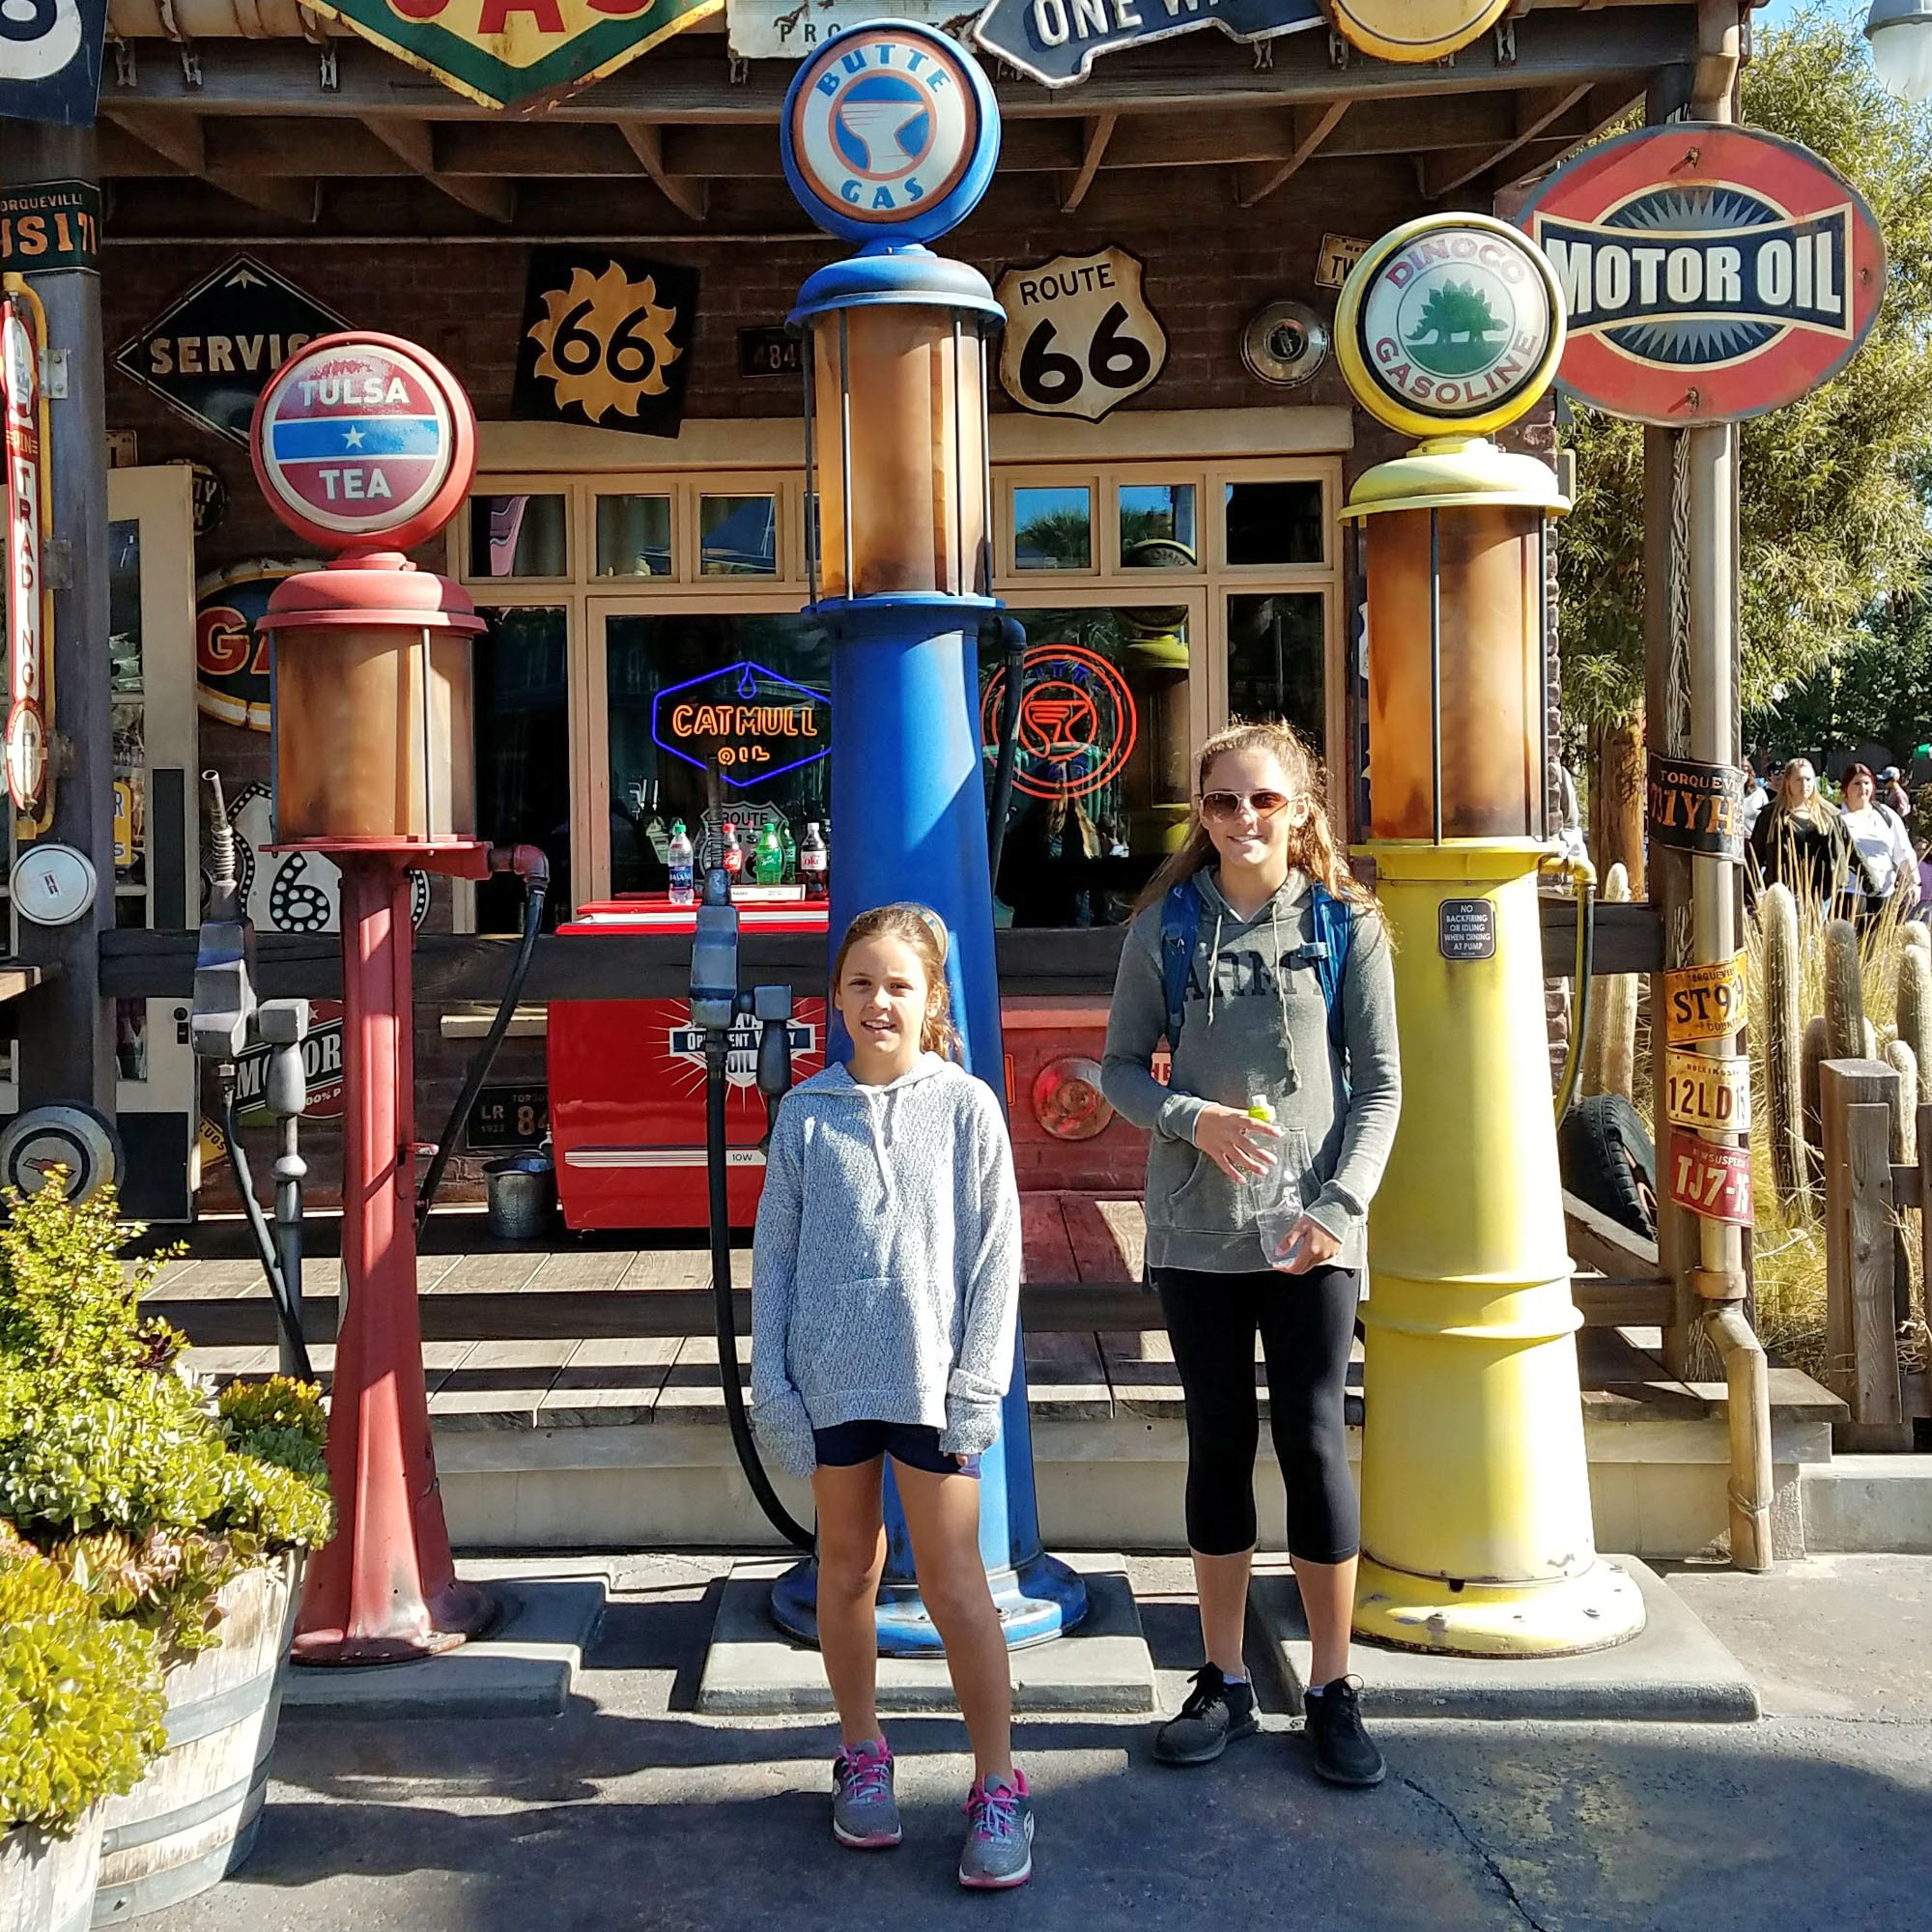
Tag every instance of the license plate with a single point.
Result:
(1704, 1002)
(1703, 1090)
(509, 1116)
(1710, 1181)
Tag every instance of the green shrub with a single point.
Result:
(80, 1697)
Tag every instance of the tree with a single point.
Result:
(1830, 520)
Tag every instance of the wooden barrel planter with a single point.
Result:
(192, 1819)
(46, 1885)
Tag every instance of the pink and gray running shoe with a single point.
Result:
(864, 1814)
(999, 1838)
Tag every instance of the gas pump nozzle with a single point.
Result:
(771, 1008)
(714, 960)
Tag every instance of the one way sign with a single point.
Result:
(1056, 41)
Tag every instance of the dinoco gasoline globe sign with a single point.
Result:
(1449, 324)
(1710, 272)
(364, 441)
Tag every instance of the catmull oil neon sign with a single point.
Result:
(747, 723)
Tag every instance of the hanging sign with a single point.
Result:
(208, 494)
(51, 60)
(785, 30)
(52, 225)
(1704, 1002)
(1451, 322)
(606, 341)
(1077, 722)
(231, 662)
(321, 1071)
(364, 441)
(1710, 1179)
(29, 601)
(888, 131)
(518, 52)
(1056, 41)
(744, 721)
(1710, 272)
(1706, 1092)
(1696, 807)
(1080, 337)
(210, 355)
(1414, 31)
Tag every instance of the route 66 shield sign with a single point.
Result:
(1080, 338)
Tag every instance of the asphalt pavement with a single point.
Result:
(631, 1811)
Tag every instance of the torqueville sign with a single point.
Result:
(1710, 272)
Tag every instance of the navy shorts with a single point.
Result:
(851, 1443)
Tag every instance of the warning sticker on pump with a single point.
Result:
(1710, 1181)
(1704, 1002)
(1466, 929)
(1706, 1090)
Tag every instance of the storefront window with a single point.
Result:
(716, 720)
(127, 723)
(1274, 523)
(1158, 527)
(1053, 528)
(738, 536)
(523, 754)
(1275, 661)
(1100, 776)
(633, 536)
(520, 535)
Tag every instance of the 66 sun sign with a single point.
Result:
(1080, 337)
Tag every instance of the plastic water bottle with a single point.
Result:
(814, 863)
(768, 860)
(682, 860)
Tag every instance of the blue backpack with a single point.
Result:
(1328, 952)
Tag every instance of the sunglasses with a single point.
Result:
(1222, 805)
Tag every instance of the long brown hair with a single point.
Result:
(1311, 845)
(919, 927)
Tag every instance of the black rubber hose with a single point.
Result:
(288, 1312)
(1014, 632)
(485, 1056)
(730, 1377)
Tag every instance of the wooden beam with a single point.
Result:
(1309, 127)
(181, 139)
(1073, 190)
(690, 197)
(1534, 112)
(413, 143)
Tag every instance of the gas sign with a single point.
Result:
(1710, 272)
(29, 604)
(364, 441)
(1414, 31)
(231, 660)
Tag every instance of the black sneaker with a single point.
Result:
(1342, 1752)
(1216, 1713)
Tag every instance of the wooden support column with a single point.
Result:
(66, 1049)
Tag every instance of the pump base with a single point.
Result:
(1594, 1609)
(1040, 1600)
(461, 1611)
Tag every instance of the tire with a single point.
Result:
(1610, 1162)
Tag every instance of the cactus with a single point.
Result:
(1844, 993)
(1610, 1044)
(1901, 1058)
(1916, 934)
(1914, 999)
(1814, 1055)
(1783, 1021)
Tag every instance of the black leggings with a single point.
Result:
(1306, 1324)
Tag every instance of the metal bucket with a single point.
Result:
(522, 1196)
(193, 1817)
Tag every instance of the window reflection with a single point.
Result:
(1274, 523)
(633, 536)
(523, 755)
(738, 536)
(1158, 527)
(1274, 660)
(1053, 528)
(519, 535)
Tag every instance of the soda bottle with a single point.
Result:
(681, 860)
(768, 861)
(731, 853)
(814, 863)
(791, 872)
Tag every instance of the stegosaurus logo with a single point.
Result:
(1457, 332)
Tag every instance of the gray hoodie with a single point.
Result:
(886, 1269)
(1249, 1027)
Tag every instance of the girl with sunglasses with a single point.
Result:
(1255, 1023)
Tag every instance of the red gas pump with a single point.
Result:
(366, 445)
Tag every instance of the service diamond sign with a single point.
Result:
(511, 53)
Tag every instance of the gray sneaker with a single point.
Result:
(864, 1814)
(999, 1839)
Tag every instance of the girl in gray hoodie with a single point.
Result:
(1260, 905)
(885, 1294)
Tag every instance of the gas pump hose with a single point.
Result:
(529, 865)
(730, 1376)
(1583, 875)
(284, 1293)
(1012, 634)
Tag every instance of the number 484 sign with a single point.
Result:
(1080, 336)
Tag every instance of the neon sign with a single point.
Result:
(1077, 722)
(747, 722)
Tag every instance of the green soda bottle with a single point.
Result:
(768, 861)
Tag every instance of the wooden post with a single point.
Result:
(1858, 1098)
(67, 1037)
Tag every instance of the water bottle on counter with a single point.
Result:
(682, 861)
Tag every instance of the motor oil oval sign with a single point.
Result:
(1710, 272)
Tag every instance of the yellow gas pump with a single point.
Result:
(1476, 1529)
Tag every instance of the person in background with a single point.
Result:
(1800, 841)
(1923, 911)
(1892, 791)
(1888, 863)
(1756, 798)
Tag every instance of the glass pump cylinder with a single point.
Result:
(1458, 730)
(897, 410)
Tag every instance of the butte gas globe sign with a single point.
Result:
(1709, 274)
(363, 442)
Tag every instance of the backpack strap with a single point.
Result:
(1179, 924)
(1334, 929)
